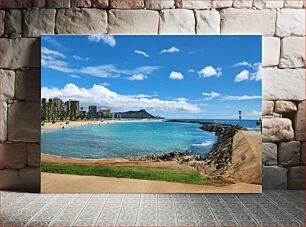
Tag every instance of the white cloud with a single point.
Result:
(170, 50)
(102, 96)
(54, 60)
(257, 76)
(243, 75)
(137, 77)
(75, 76)
(210, 71)
(247, 64)
(176, 76)
(76, 57)
(106, 39)
(242, 97)
(182, 99)
(48, 52)
(191, 71)
(105, 84)
(211, 95)
(141, 53)
(254, 113)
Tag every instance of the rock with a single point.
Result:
(15, 4)
(38, 22)
(242, 4)
(159, 4)
(283, 84)
(80, 3)
(296, 178)
(270, 51)
(208, 22)
(27, 85)
(2, 15)
(33, 158)
(133, 21)
(299, 122)
(55, 4)
(39, 3)
(191, 4)
(20, 53)
(13, 155)
(303, 158)
(221, 3)
(274, 177)
(290, 22)
(285, 107)
(269, 154)
(293, 52)
(277, 129)
(13, 21)
(7, 82)
(289, 154)
(23, 122)
(99, 3)
(126, 4)
(262, 4)
(25, 180)
(248, 21)
(178, 21)
(293, 4)
(267, 107)
(3, 121)
(81, 21)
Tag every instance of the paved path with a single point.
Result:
(271, 208)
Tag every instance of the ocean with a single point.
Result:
(130, 139)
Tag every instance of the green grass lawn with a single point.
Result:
(170, 175)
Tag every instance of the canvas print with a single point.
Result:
(151, 114)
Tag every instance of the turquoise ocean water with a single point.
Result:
(128, 139)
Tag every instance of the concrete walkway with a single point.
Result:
(271, 208)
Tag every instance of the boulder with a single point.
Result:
(34, 154)
(208, 22)
(293, 52)
(159, 4)
(13, 155)
(3, 121)
(27, 85)
(191, 4)
(269, 154)
(13, 21)
(296, 178)
(178, 21)
(290, 22)
(289, 153)
(274, 177)
(299, 122)
(270, 51)
(285, 107)
(38, 22)
(138, 22)
(81, 21)
(7, 82)
(126, 4)
(277, 129)
(267, 107)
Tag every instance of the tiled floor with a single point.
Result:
(271, 208)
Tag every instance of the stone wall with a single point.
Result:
(281, 22)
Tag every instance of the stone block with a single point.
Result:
(296, 177)
(283, 84)
(159, 4)
(299, 122)
(81, 21)
(13, 155)
(39, 3)
(270, 51)
(55, 4)
(269, 154)
(138, 22)
(263, 4)
(303, 160)
(267, 107)
(33, 154)
(24, 122)
(293, 52)
(7, 83)
(277, 129)
(290, 22)
(274, 177)
(15, 4)
(285, 107)
(177, 21)
(38, 22)
(208, 22)
(2, 15)
(27, 85)
(126, 4)
(289, 153)
(293, 3)
(25, 180)
(3, 121)
(80, 3)
(13, 21)
(222, 3)
(242, 4)
(248, 21)
(20, 53)
(103, 4)
(192, 4)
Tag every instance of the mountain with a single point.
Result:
(135, 114)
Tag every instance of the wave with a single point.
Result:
(204, 144)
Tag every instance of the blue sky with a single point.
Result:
(171, 76)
